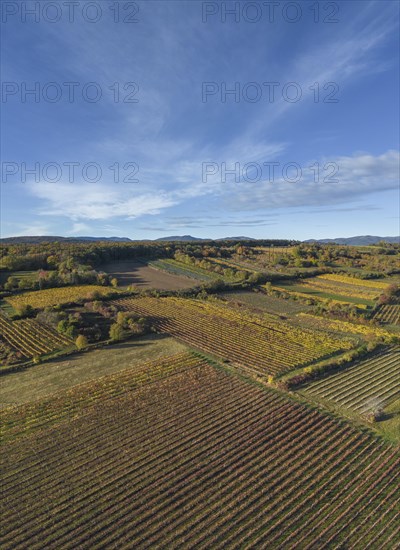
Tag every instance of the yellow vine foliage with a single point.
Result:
(55, 296)
(353, 281)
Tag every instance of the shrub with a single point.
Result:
(24, 310)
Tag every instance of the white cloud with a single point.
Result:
(97, 202)
(27, 230)
(78, 228)
(358, 176)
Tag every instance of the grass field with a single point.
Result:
(143, 275)
(41, 381)
(198, 459)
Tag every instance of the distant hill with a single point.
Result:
(189, 238)
(185, 238)
(236, 239)
(115, 239)
(52, 239)
(356, 241)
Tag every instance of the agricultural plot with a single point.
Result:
(263, 302)
(364, 387)
(353, 281)
(200, 459)
(55, 296)
(184, 270)
(31, 338)
(313, 290)
(342, 327)
(143, 275)
(343, 289)
(58, 374)
(36, 414)
(388, 314)
(261, 347)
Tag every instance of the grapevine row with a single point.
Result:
(196, 459)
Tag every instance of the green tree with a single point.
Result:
(12, 282)
(114, 282)
(117, 332)
(81, 342)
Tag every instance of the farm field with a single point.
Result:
(328, 285)
(260, 346)
(31, 338)
(212, 472)
(41, 381)
(388, 314)
(342, 327)
(183, 270)
(142, 275)
(263, 302)
(311, 288)
(21, 418)
(55, 296)
(365, 386)
(365, 284)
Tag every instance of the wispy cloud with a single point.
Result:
(358, 176)
(97, 202)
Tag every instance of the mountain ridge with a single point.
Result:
(352, 241)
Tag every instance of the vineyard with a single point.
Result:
(66, 404)
(364, 386)
(262, 347)
(55, 296)
(388, 314)
(343, 289)
(366, 283)
(318, 290)
(30, 338)
(179, 268)
(344, 327)
(199, 459)
(263, 302)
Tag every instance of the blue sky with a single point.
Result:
(156, 162)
